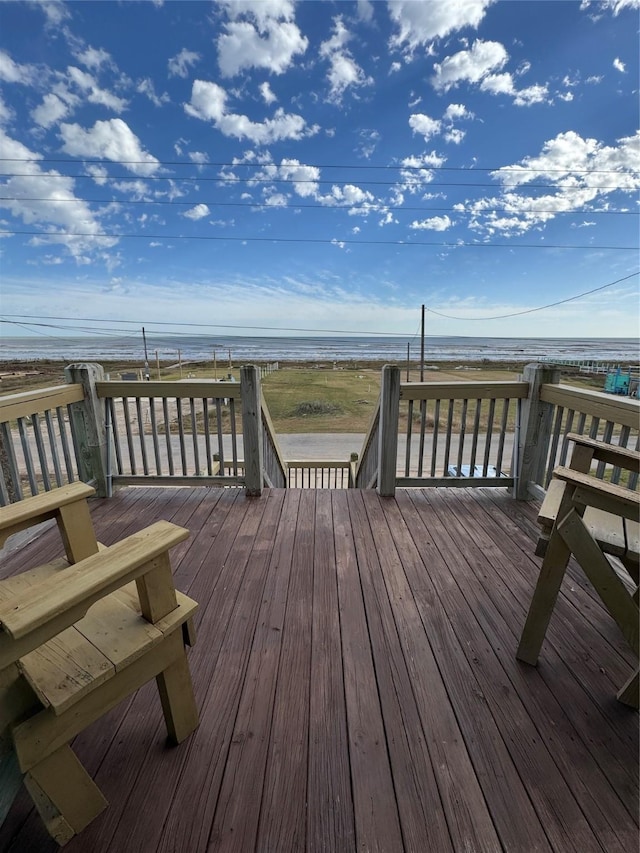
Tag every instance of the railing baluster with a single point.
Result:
(503, 432)
(26, 452)
(489, 437)
(65, 444)
(436, 427)
(623, 441)
(474, 441)
(194, 435)
(207, 437)
(234, 435)
(116, 435)
(595, 426)
(461, 436)
(154, 435)
(55, 459)
(219, 429)
(565, 444)
(447, 446)
(141, 435)
(606, 437)
(423, 429)
(407, 460)
(553, 449)
(14, 473)
(127, 425)
(183, 454)
(582, 419)
(167, 434)
(633, 477)
(42, 457)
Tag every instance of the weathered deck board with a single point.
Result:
(356, 677)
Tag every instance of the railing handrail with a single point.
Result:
(318, 463)
(271, 435)
(21, 405)
(498, 390)
(369, 435)
(188, 388)
(609, 407)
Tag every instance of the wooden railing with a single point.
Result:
(161, 432)
(274, 467)
(38, 449)
(366, 469)
(319, 474)
(611, 419)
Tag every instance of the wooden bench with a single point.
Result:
(589, 518)
(77, 636)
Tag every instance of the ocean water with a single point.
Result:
(246, 350)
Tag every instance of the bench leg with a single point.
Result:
(178, 702)
(544, 599)
(64, 794)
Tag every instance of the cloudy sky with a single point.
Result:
(321, 165)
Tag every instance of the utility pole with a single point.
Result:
(422, 348)
(408, 359)
(180, 362)
(158, 365)
(215, 365)
(147, 374)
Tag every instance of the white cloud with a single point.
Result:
(199, 157)
(179, 64)
(434, 223)
(344, 71)
(5, 112)
(471, 65)
(111, 140)
(267, 95)
(209, 103)
(425, 126)
(455, 135)
(619, 65)
(50, 111)
(365, 10)
(94, 93)
(456, 112)
(259, 34)
(57, 210)
(197, 212)
(146, 87)
(573, 168)
(616, 6)
(502, 84)
(395, 67)
(419, 23)
(93, 58)
(55, 11)
(13, 72)
(243, 47)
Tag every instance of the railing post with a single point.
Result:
(89, 426)
(536, 420)
(388, 435)
(252, 429)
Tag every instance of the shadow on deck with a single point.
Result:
(358, 689)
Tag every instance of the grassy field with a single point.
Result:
(301, 397)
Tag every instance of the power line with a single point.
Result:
(54, 236)
(222, 179)
(354, 166)
(295, 206)
(541, 307)
(150, 323)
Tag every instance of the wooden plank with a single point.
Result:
(26, 403)
(330, 824)
(183, 389)
(283, 812)
(553, 798)
(461, 390)
(476, 805)
(243, 548)
(234, 828)
(415, 739)
(40, 507)
(559, 685)
(604, 451)
(377, 822)
(620, 410)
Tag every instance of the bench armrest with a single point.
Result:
(611, 454)
(40, 613)
(590, 491)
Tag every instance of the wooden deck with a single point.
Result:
(358, 689)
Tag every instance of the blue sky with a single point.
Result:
(321, 165)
